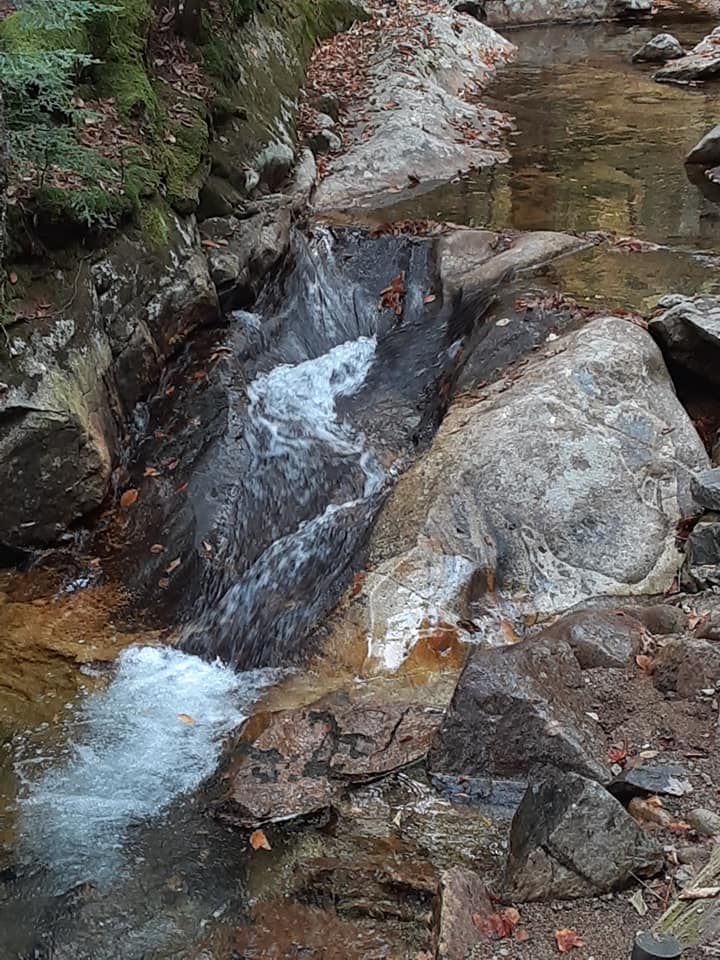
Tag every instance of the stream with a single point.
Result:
(104, 848)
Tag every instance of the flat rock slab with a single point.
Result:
(570, 838)
(413, 125)
(296, 763)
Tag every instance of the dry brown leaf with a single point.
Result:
(522, 936)
(151, 472)
(207, 546)
(13, 278)
(430, 298)
(258, 841)
(186, 718)
(157, 548)
(163, 583)
(617, 754)
(173, 566)
(128, 498)
(567, 939)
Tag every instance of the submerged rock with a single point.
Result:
(660, 49)
(688, 332)
(515, 708)
(570, 838)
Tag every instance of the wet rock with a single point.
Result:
(705, 822)
(692, 68)
(660, 49)
(515, 708)
(430, 84)
(686, 666)
(462, 895)
(73, 378)
(570, 838)
(632, 8)
(293, 764)
(705, 487)
(599, 638)
(246, 251)
(648, 777)
(688, 332)
(369, 886)
(706, 153)
(473, 8)
(324, 141)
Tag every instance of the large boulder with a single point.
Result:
(688, 331)
(514, 708)
(388, 153)
(74, 374)
(500, 13)
(562, 482)
(570, 838)
(660, 49)
(702, 63)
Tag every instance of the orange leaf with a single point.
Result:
(186, 718)
(644, 663)
(617, 754)
(567, 939)
(128, 498)
(258, 841)
(521, 936)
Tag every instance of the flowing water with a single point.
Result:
(109, 853)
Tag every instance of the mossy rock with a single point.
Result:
(17, 37)
(61, 217)
(154, 226)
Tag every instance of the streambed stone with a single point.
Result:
(660, 49)
(570, 838)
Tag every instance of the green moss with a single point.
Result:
(16, 37)
(154, 226)
(186, 165)
(119, 39)
(89, 208)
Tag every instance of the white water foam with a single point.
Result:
(153, 735)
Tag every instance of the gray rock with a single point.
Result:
(709, 43)
(650, 777)
(706, 153)
(218, 198)
(660, 49)
(324, 121)
(304, 180)
(517, 12)
(328, 103)
(428, 85)
(450, 540)
(705, 822)
(324, 141)
(251, 249)
(688, 333)
(599, 638)
(702, 554)
(514, 708)
(75, 378)
(686, 665)
(691, 68)
(632, 8)
(705, 487)
(569, 838)
(660, 619)
(275, 164)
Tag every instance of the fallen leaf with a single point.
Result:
(617, 754)
(567, 939)
(430, 298)
(638, 903)
(521, 936)
(258, 841)
(186, 718)
(173, 566)
(497, 925)
(128, 498)
(644, 662)
(695, 619)
(157, 548)
(151, 472)
(207, 546)
(13, 278)
(163, 583)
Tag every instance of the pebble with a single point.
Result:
(705, 822)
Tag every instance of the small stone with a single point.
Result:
(325, 141)
(328, 103)
(705, 822)
(648, 778)
(324, 121)
(686, 665)
(660, 49)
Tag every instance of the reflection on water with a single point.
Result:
(598, 146)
